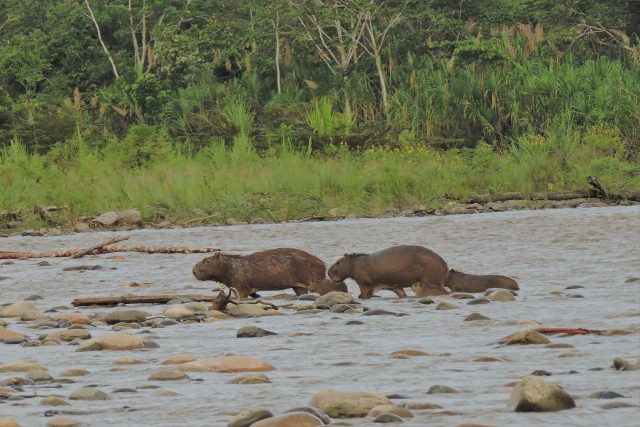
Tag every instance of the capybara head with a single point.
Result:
(342, 269)
(209, 268)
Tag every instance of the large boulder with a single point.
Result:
(121, 342)
(9, 334)
(17, 309)
(347, 404)
(533, 394)
(226, 364)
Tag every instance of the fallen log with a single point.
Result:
(502, 197)
(99, 245)
(569, 331)
(107, 250)
(139, 299)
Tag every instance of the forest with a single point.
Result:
(288, 109)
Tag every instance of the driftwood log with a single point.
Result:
(103, 249)
(139, 299)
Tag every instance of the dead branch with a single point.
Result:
(99, 245)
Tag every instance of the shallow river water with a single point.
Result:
(546, 251)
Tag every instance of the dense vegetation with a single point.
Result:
(281, 109)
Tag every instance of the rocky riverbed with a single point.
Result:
(443, 361)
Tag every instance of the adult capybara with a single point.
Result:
(327, 286)
(393, 268)
(270, 270)
(473, 283)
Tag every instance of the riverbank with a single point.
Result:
(231, 185)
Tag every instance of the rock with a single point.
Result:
(74, 373)
(390, 409)
(24, 365)
(379, 312)
(89, 393)
(313, 411)
(253, 332)
(77, 318)
(8, 422)
(426, 301)
(31, 315)
(215, 314)
(227, 364)
(83, 267)
(291, 419)
(81, 227)
(90, 345)
(354, 322)
(478, 301)
(541, 373)
(475, 316)
(441, 389)
(387, 418)
(474, 425)
(422, 405)
(616, 405)
(70, 335)
(249, 379)
(533, 394)
(249, 416)
(130, 216)
(128, 361)
(39, 375)
(179, 359)
(167, 375)
(62, 422)
(525, 337)
(334, 298)
(501, 295)
(459, 295)
(127, 316)
(488, 359)
(53, 401)
(165, 393)
(447, 306)
(246, 310)
(406, 353)
(606, 395)
(177, 311)
(559, 345)
(121, 342)
(623, 365)
(17, 309)
(346, 404)
(9, 334)
(616, 332)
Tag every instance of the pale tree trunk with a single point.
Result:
(276, 26)
(104, 46)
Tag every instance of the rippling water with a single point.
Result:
(598, 248)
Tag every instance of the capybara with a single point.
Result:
(423, 291)
(393, 268)
(270, 270)
(327, 286)
(474, 283)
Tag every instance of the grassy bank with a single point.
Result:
(222, 182)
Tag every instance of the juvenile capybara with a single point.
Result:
(326, 286)
(270, 270)
(473, 283)
(393, 268)
(423, 291)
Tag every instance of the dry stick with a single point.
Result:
(98, 246)
(105, 250)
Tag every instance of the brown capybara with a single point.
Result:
(270, 270)
(473, 283)
(423, 291)
(327, 286)
(393, 268)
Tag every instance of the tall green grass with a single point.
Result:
(234, 181)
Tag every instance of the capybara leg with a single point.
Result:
(438, 287)
(243, 293)
(366, 292)
(300, 290)
(399, 291)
